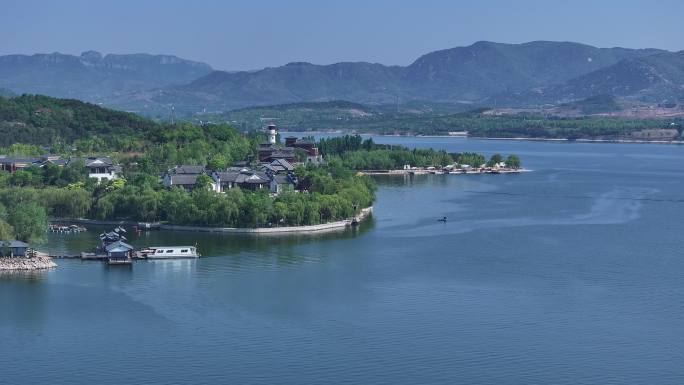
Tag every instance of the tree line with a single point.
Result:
(353, 152)
(331, 193)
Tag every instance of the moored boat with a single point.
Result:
(169, 252)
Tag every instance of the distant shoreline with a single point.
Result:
(531, 139)
(617, 141)
(442, 172)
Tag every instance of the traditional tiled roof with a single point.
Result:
(13, 244)
(98, 161)
(58, 162)
(252, 177)
(183, 179)
(283, 164)
(227, 176)
(5, 160)
(118, 246)
(187, 169)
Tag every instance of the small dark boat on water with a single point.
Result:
(444, 219)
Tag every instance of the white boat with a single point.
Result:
(170, 252)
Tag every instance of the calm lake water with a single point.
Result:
(571, 274)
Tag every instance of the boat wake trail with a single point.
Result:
(613, 207)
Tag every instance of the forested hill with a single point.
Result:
(42, 120)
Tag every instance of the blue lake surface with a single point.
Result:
(570, 274)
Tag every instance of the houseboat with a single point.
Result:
(169, 252)
(119, 253)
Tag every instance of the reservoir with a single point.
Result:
(570, 274)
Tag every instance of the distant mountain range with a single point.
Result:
(94, 77)
(482, 74)
(656, 78)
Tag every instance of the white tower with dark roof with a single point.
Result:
(272, 132)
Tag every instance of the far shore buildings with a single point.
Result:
(275, 172)
(276, 177)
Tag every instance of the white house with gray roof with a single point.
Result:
(101, 168)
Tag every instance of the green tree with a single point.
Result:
(513, 161)
(203, 182)
(494, 160)
(218, 162)
(29, 221)
(6, 231)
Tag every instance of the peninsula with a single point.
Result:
(68, 159)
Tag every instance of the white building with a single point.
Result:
(102, 168)
(272, 133)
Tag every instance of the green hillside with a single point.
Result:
(43, 120)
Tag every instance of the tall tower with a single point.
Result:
(272, 134)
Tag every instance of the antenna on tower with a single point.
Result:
(172, 115)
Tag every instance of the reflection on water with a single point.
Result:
(23, 297)
(30, 276)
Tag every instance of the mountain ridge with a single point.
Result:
(92, 76)
(471, 74)
(657, 78)
(484, 73)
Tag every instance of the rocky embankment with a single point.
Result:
(18, 263)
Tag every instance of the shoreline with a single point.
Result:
(441, 172)
(617, 141)
(323, 227)
(531, 139)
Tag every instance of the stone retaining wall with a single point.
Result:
(20, 263)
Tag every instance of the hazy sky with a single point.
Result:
(236, 35)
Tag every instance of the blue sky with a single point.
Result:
(238, 35)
